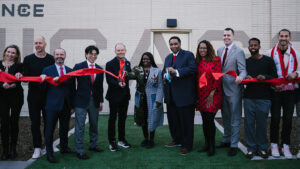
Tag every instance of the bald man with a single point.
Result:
(33, 66)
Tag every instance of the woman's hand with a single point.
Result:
(18, 75)
(210, 98)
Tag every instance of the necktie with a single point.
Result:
(174, 57)
(92, 76)
(61, 71)
(224, 57)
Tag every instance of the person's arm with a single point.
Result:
(109, 79)
(241, 65)
(159, 93)
(188, 70)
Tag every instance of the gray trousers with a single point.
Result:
(80, 116)
(231, 117)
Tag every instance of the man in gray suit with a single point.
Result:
(232, 58)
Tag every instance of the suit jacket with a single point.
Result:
(235, 61)
(183, 88)
(115, 93)
(56, 96)
(85, 88)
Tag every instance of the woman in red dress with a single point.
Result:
(210, 96)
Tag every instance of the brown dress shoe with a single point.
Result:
(172, 144)
(184, 151)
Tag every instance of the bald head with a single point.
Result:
(40, 44)
(120, 50)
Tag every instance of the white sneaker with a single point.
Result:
(274, 150)
(298, 155)
(37, 153)
(286, 151)
(55, 149)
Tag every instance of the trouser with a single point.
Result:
(256, 115)
(36, 105)
(115, 109)
(286, 100)
(209, 128)
(80, 116)
(51, 119)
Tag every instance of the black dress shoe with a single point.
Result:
(150, 144)
(82, 156)
(232, 151)
(144, 143)
(96, 149)
(67, 151)
(223, 145)
(51, 158)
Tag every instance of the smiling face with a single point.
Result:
(120, 51)
(10, 54)
(203, 49)
(228, 37)
(59, 56)
(254, 47)
(146, 61)
(39, 44)
(284, 38)
(91, 56)
(174, 45)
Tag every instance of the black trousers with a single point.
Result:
(181, 124)
(120, 110)
(10, 108)
(209, 127)
(51, 119)
(36, 106)
(286, 100)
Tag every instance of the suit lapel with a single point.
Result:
(231, 51)
(177, 59)
(54, 70)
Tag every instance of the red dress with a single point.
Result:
(203, 93)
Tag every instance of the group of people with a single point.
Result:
(177, 84)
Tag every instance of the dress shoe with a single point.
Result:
(232, 151)
(96, 149)
(67, 150)
(144, 143)
(51, 158)
(184, 151)
(150, 144)
(223, 145)
(203, 149)
(82, 156)
(172, 144)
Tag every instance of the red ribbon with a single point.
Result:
(217, 76)
(8, 78)
(121, 72)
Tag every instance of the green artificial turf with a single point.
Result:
(157, 157)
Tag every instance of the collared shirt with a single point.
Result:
(58, 69)
(89, 65)
(229, 47)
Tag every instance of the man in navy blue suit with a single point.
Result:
(88, 100)
(118, 95)
(180, 95)
(59, 104)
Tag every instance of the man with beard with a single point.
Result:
(257, 101)
(232, 58)
(180, 95)
(58, 104)
(287, 65)
(33, 66)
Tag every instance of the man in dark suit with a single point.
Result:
(88, 100)
(118, 95)
(180, 95)
(58, 104)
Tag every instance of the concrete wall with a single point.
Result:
(141, 25)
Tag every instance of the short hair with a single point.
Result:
(229, 29)
(61, 49)
(119, 43)
(284, 30)
(18, 53)
(175, 37)
(90, 49)
(254, 39)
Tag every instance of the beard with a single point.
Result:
(59, 60)
(255, 52)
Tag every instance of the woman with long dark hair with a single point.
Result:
(210, 96)
(11, 101)
(148, 110)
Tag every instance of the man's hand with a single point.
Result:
(171, 70)
(43, 77)
(122, 85)
(261, 77)
(238, 79)
(158, 104)
(248, 77)
(291, 76)
(277, 88)
(18, 75)
(72, 110)
(101, 107)
(56, 79)
(5, 85)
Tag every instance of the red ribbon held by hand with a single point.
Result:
(121, 72)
